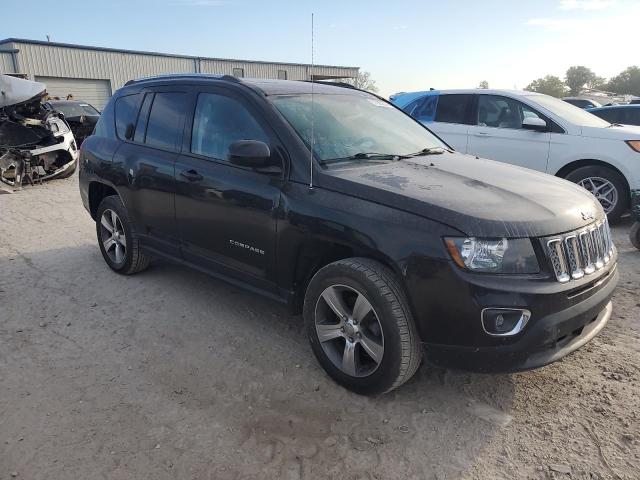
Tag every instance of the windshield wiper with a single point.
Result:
(364, 156)
(615, 125)
(426, 151)
(385, 156)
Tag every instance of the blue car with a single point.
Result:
(624, 114)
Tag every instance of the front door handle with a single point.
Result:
(481, 134)
(191, 175)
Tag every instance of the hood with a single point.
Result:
(14, 91)
(479, 197)
(623, 132)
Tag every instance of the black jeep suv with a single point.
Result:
(337, 203)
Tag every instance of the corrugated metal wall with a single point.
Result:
(54, 61)
(6, 63)
(118, 67)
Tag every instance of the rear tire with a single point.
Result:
(382, 341)
(634, 235)
(117, 240)
(593, 177)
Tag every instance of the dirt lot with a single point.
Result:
(171, 374)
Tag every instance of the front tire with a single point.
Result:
(607, 185)
(118, 242)
(360, 326)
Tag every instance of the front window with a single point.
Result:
(502, 112)
(345, 125)
(568, 112)
(220, 121)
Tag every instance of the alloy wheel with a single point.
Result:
(349, 330)
(113, 237)
(603, 190)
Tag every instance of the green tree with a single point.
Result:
(483, 84)
(549, 85)
(363, 81)
(597, 83)
(626, 82)
(577, 77)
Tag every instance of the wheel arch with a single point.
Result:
(314, 254)
(570, 167)
(97, 192)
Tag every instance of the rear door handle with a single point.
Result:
(191, 175)
(481, 134)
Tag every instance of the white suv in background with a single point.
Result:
(536, 131)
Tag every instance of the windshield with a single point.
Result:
(75, 109)
(345, 126)
(569, 112)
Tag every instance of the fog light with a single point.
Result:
(504, 322)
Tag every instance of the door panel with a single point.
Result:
(226, 214)
(453, 133)
(498, 134)
(146, 164)
(452, 119)
(149, 176)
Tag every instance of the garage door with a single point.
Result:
(95, 92)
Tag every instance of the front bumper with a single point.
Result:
(543, 341)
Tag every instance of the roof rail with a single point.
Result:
(169, 76)
(333, 84)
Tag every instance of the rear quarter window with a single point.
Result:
(126, 112)
(105, 124)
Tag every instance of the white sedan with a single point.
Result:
(535, 131)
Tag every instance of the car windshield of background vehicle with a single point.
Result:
(76, 109)
(348, 125)
(569, 112)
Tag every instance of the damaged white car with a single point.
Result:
(36, 144)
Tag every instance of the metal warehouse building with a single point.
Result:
(92, 74)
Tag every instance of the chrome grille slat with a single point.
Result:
(581, 252)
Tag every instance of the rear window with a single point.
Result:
(166, 120)
(126, 113)
(104, 127)
(453, 108)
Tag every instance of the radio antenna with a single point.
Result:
(313, 140)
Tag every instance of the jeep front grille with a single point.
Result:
(581, 252)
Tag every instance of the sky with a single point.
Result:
(406, 45)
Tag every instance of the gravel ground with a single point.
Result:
(172, 374)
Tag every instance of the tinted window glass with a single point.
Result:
(412, 106)
(453, 108)
(633, 116)
(427, 109)
(502, 112)
(609, 114)
(126, 112)
(104, 127)
(164, 128)
(218, 122)
(141, 124)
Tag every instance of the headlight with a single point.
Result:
(495, 255)
(635, 144)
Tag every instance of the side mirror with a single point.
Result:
(534, 123)
(250, 153)
(128, 133)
